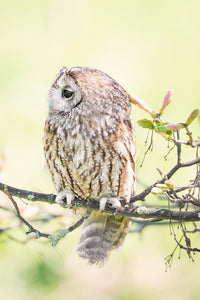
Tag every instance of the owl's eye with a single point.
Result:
(67, 93)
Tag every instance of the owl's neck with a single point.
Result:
(90, 125)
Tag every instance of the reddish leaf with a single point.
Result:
(167, 100)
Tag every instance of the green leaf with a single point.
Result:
(161, 127)
(145, 123)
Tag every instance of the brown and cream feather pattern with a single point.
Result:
(89, 146)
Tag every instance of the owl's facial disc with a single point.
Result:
(64, 94)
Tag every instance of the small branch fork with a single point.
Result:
(31, 228)
(54, 238)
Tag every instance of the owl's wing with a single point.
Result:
(125, 147)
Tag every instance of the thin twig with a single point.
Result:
(150, 147)
(54, 238)
(186, 247)
(57, 237)
(31, 228)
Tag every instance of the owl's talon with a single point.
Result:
(65, 199)
(115, 203)
(102, 203)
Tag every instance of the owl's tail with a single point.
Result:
(101, 233)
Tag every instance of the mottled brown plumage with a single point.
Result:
(89, 146)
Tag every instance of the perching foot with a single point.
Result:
(115, 203)
(65, 199)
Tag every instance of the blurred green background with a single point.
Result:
(148, 47)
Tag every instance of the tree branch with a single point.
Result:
(31, 228)
(54, 238)
(129, 210)
(28, 195)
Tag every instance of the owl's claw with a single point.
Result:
(65, 199)
(115, 203)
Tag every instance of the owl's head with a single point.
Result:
(87, 91)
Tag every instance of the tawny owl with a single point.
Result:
(89, 146)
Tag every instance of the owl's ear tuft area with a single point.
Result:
(63, 70)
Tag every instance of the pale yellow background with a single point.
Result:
(148, 47)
